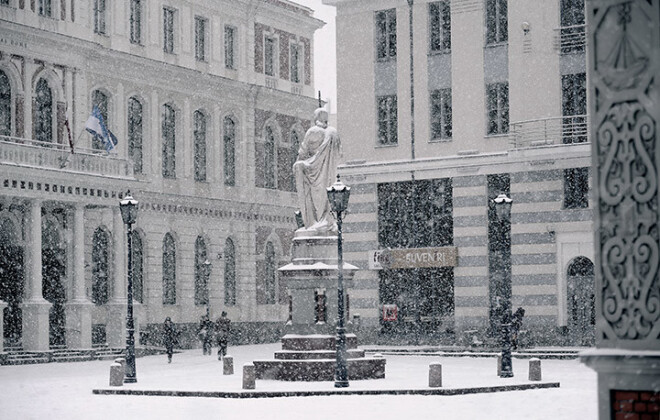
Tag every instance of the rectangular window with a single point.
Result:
(295, 63)
(576, 188)
(497, 97)
(497, 26)
(386, 34)
(136, 21)
(387, 120)
(168, 30)
(230, 47)
(45, 8)
(439, 27)
(99, 16)
(200, 39)
(574, 108)
(441, 114)
(270, 51)
(572, 26)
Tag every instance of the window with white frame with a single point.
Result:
(5, 105)
(386, 34)
(441, 125)
(199, 137)
(168, 30)
(497, 101)
(45, 8)
(135, 124)
(439, 26)
(269, 158)
(43, 112)
(169, 141)
(497, 26)
(136, 21)
(294, 57)
(200, 39)
(270, 55)
(387, 120)
(229, 128)
(99, 17)
(230, 47)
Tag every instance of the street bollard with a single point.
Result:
(116, 375)
(535, 369)
(249, 376)
(122, 362)
(435, 375)
(228, 365)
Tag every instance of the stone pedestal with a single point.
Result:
(309, 348)
(3, 305)
(36, 325)
(115, 329)
(313, 268)
(79, 324)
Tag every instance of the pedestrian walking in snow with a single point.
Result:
(169, 337)
(222, 328)
(205, 334)
(516, 323)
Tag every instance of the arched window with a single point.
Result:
(230, 273)
(43, 121)
(202, 271)
(295, 146)
(100, 267)
(269, 158)
(138, 267)
(169, 142)
(135, 133)
(270, 274)
(100, 100)
(230, 151)
(169, 270)
(199, 135)
(5, 105)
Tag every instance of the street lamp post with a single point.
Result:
(503, 211)
(129, 208)
(338, 195)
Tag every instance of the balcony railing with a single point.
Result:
(547, 131)
(37, 154)
(570, 39)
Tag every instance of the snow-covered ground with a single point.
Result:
(64, 391)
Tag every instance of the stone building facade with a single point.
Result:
(205, 140)
(499, 105)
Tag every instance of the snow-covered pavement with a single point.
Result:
(64, 391)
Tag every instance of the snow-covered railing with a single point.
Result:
(570, 39)
(39, 154)
(545, 131)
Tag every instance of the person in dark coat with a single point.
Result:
(169, 337)
(222, 328)
(516, 323)
(205, 333)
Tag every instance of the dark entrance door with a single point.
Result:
(11, 291)
(53, 258)
(581, 300)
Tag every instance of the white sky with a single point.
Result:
(325, 52)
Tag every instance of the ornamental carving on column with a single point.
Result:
(625, 105)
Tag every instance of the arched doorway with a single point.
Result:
(11, 282)
(581, 301)
(53, 271)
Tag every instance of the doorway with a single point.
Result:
(581, 302)
(11, 283)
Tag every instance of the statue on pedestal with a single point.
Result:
(314, 171)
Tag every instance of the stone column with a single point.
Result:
(624, 111)
(35, 307)
(116, 324)
(79, 308)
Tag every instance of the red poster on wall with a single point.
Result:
(390, 312)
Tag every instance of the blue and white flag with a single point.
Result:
(96, 126)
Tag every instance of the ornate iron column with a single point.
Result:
(623, 75)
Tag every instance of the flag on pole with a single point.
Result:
(96, 126)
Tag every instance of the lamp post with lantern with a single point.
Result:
(503, 206)
(338, 195)
(129, 208)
